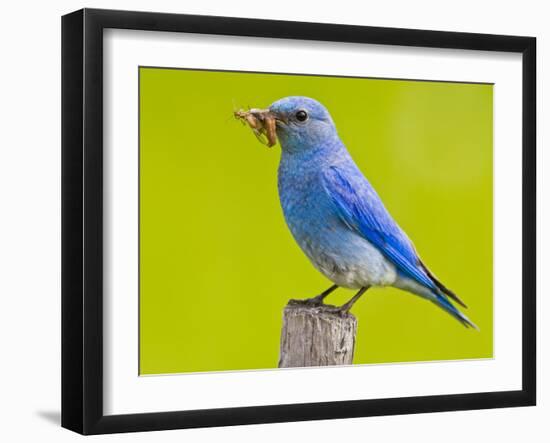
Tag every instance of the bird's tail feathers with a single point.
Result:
(442, 301)
(441, 286)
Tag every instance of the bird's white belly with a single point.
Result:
(359, 265)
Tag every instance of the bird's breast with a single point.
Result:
(334, 249)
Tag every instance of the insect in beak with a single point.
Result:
(262, 122)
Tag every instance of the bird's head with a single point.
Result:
(300, 123)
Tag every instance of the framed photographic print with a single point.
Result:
(269, 221)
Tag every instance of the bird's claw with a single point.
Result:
(342, 311)
(313, 302)
(317, 302)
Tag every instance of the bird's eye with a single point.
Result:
(301, 116)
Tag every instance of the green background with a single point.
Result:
(217, 262)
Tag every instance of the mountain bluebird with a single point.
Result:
(333, 212)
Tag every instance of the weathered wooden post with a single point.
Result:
(316, 336)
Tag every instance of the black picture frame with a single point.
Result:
(82, 220)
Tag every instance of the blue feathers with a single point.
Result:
(337, 217)
(361, 209)
(447, 306)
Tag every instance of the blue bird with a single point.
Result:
(334, 213)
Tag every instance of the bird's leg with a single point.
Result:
(318, 300)
(347, 306)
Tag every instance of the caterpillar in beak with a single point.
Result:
(262, 122)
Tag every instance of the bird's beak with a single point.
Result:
(263, 123)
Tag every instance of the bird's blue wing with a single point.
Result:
(360, 208)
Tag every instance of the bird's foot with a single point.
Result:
(313, 301)
(316, 302)
(342, 311)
